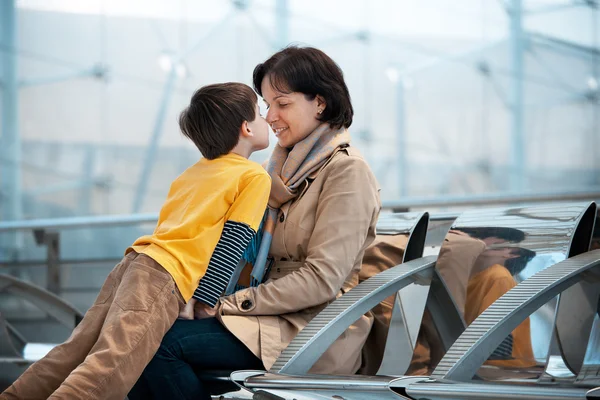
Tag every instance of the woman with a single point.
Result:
(328, 203)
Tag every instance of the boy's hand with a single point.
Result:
(188, 311)
(202, 310)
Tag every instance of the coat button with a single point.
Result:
(246, 304)
(281, 218)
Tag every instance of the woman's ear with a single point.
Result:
(321, 104)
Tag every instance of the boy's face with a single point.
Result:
(260, 128)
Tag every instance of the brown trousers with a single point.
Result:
(114, 342)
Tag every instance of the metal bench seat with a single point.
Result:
(452, 377)
(557, 231)
(16, 352)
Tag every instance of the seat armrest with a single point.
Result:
(308, 346)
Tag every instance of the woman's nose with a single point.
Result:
(271, 116)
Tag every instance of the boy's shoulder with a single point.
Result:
(229, 167)
(257, 175)
(253, 169)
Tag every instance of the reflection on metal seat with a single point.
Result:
(514, 243)
(510, 244)
(480, 339)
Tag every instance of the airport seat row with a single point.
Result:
(540, 335)
(555, 295)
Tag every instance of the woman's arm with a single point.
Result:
(347, 205)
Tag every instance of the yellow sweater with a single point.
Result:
(486, 287)
(200, 201)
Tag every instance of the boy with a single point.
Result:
(211, 213)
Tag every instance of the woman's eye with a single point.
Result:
(283, 105)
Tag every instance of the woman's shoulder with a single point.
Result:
(348, 157)
(349, 163)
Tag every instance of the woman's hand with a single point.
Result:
(202, 310)
(188, 311)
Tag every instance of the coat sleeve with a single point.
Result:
(348, 204)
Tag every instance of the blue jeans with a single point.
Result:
(188, 349)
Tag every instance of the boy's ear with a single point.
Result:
(245, 130)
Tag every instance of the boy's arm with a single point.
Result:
(224, 260)
(243, 220)
(188, 311)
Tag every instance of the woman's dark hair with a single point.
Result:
(511, 235)
(517, 264)
(309, 71)
(214, 117)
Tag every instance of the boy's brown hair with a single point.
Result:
(214, 117)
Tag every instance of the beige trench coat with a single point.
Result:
(318, 246)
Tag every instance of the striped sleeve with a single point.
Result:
(234, 239)
(504, 350)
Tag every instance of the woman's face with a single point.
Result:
(291, 116)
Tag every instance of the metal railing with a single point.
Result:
(46, 230)
(593, 194)
(404, 205)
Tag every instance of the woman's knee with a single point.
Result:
(171, 346)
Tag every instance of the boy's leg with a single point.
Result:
(47, 374)
(146, 304)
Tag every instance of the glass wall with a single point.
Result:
(450, 99)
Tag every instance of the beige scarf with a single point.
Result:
(289, 168)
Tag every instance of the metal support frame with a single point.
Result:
(150, 154)
(517, 150)
(98, 71)
(401, 139)
(85, 196)
(52, 242)
(282, 19)
(10, 145)
(596, 95)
